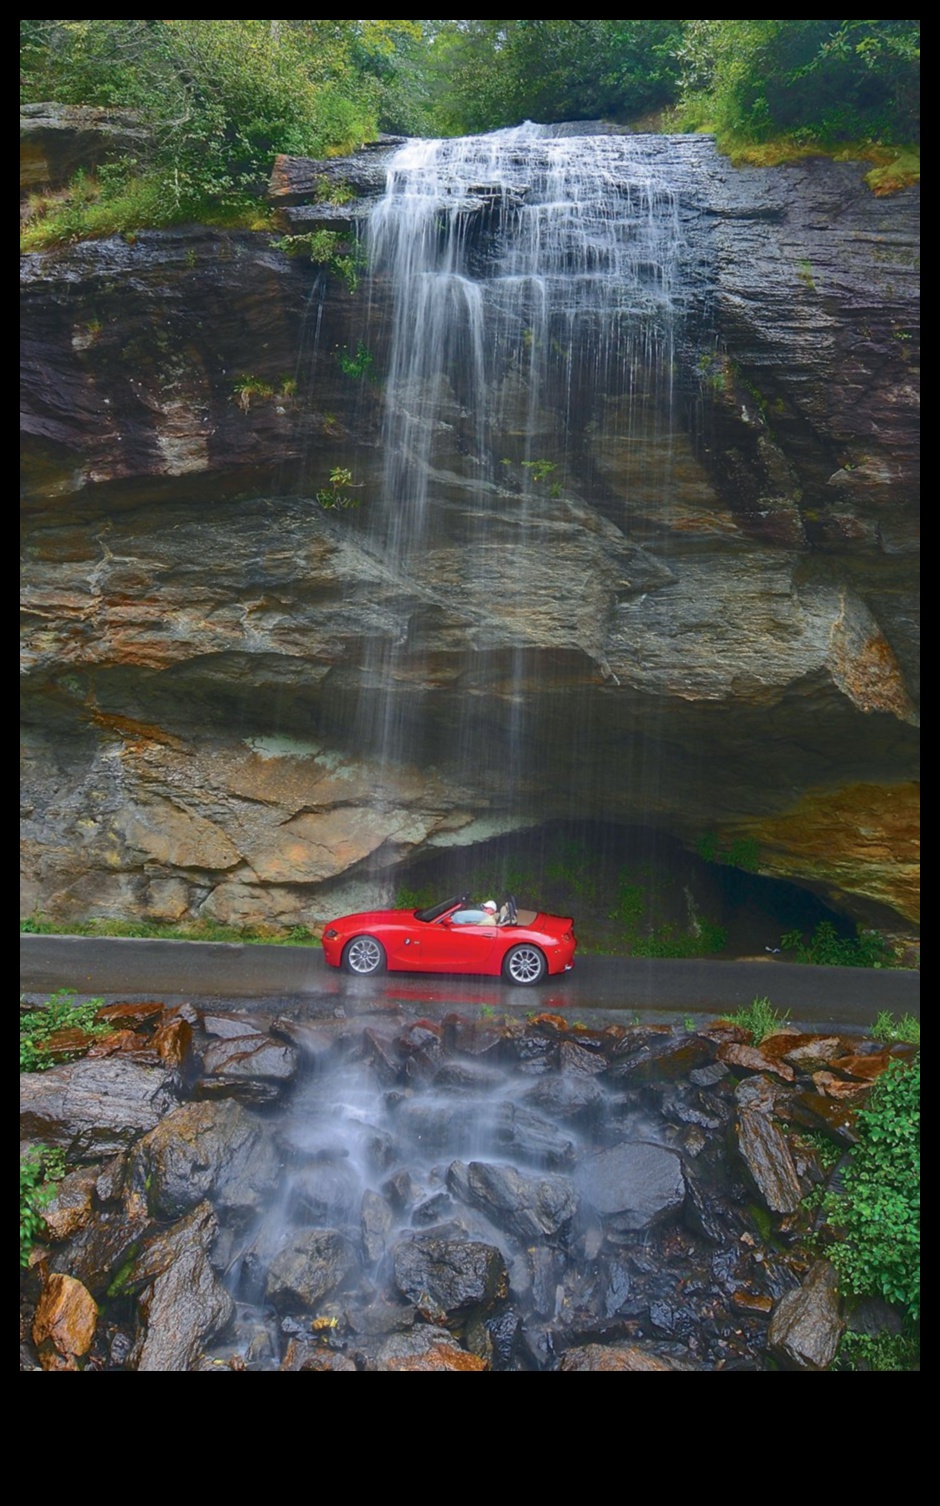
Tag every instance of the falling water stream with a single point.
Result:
(379, 1146)
(538, 283)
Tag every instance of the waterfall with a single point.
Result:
(538, 282)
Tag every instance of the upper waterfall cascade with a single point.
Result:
(538, 284)
(560, 260)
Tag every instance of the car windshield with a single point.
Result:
(436, 911)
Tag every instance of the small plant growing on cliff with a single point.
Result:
(337, 494)
(329, 249)
(249, 389)
(40, 1168)
(540, 471)
(356, 364)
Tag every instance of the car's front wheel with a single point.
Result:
(364, 956)
(524, 964)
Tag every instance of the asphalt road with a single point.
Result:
(297, 980)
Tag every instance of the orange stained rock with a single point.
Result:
(752, 1059)
(440, 1357)
(172, 1041)
(836, 1087)
(862, 838)
(66, 1316)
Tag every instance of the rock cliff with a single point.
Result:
(734, 652)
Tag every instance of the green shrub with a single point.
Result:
(827, 948)
(59, 1013)
(358, 363)
(215, 101)
(330, 249)
(875, 1218)
(40, 1168)
(34, 925)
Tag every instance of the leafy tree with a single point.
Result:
(826, 80)
(487, 74)
(220, 97)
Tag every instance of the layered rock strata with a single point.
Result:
(726, 643)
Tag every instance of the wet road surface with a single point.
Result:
(298, 981)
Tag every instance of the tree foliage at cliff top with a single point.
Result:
(487, 74)
(822, 81)
(222, 97)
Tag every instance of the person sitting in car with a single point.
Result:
(481, 915)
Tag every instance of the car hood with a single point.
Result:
(367, 918)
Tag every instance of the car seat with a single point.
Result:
(507, 911)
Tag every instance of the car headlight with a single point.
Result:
(331, 934)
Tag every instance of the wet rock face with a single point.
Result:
(342, 1228)
(712, 619)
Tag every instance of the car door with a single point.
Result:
(405, 946)
(449, 948)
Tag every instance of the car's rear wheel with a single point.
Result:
(524, 964)
(364, 956)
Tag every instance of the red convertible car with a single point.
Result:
(522, 946)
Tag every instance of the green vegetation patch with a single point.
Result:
(887, 1028)
(41, 1168)
(759, 1019)
(196, 930)
(215, 102)
(58, 1031)
(826, 947)
(329, 249)
(875, 1216)
(878, 1351)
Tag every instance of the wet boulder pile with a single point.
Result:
(465, 1193)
